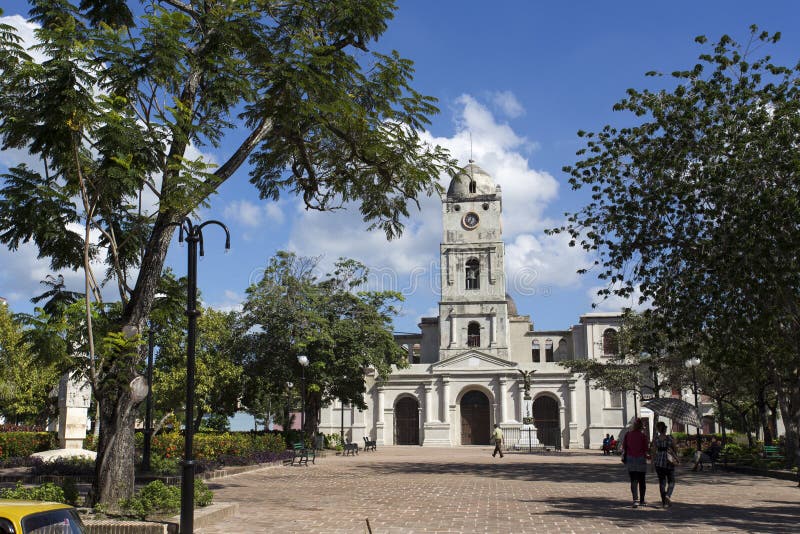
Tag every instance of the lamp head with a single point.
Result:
(694, 361)
(302, 359)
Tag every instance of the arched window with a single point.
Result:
(562, 351)
(548, 350)
(473, 335)
(610, 342)
(536, 351)
(473, 273)
(473, 187)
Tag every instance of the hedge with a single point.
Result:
(213, 446)
(14, 444)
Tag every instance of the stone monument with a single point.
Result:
(74, 396)
(527, 434)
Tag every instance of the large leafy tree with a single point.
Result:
(696, 203)
(127, 88)
(25, 382)
(343, 332)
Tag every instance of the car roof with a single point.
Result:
(16, 510)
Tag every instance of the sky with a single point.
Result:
(515, 81)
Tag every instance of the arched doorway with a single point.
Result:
(475, 419)
(406, 422)
(546, 419)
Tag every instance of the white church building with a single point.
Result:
(464, 373)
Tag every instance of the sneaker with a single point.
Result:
(668, 502)
(641, 503)
(636, 504)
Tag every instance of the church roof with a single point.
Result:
(460, 184)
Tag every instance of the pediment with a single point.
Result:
(473, 360)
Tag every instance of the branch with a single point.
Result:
(237, 158)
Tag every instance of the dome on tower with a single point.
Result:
(512, 306)
(471, 181)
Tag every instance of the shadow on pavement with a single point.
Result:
(777, 517)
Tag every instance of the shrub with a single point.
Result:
(164, 466)
(26, 443)
(212, 446)
(21, 461)
(71, 493)
(158, 498)
(46, 492)
(65, 467)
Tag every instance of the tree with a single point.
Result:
(695, 205)
(25, 383)
(218, 377)
(122, 96)
(342, 331)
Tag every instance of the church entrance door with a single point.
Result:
(475, 419)
(545, 417)
(406, 422)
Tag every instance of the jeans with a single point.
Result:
(638, 485)
(666, 482)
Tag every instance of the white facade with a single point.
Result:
(464, 373)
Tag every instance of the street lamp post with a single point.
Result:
(148, 413)
(692, 364)
(193, 235)
(303, 361)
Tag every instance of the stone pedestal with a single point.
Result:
(74, 395)
(436, 434)
(73, 406)
(527, 434)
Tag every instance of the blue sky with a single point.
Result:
(521, 78)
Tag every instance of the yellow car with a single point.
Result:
(34, 517)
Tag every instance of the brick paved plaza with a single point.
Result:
(414, 489)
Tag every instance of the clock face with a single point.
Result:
(471, 220)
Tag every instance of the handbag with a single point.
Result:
(672, 458)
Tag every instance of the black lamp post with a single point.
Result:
(148, 413)
(193, 235)
(303, 361)
(692, 363)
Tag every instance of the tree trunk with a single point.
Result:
(114, 469)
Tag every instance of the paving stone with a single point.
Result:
(464, 490)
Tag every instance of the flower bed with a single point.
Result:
(16, 443)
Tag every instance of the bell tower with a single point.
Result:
(473, 313)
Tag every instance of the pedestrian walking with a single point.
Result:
(634, 454)
(498, 440)
(664, 459)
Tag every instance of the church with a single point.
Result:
(467, 366)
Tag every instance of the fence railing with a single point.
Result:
(549, 438)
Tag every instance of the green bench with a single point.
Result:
(302, 454)
(772, 452)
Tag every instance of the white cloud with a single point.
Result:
(410, 263)
(245, 213)
(614, 302)
(507, 103)
(232, 301)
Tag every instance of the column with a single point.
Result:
(501, 396)
(492, 320)
(573, 415)
(520, 396)
(428, 403)
(379, 424)
(452, 328)
(446, 398)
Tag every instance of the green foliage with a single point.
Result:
(71, 493)
(218, 377)
(46, 492)
(112, 112)
(211, 446)
(693, 207)
(25, 381)
(215, 422)
(26, 443)
(156, 498)
(163, 466)
(342, 331)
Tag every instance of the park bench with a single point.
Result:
(772, 452)
(369, 444)
(350, 449)
(302, 454)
